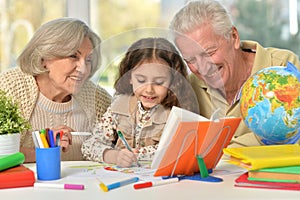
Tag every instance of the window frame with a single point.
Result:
(79, 9)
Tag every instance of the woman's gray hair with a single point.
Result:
(59, 38)
(197, 13)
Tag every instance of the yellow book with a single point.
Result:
(259, 157)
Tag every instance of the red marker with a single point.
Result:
(110, 168)
(155, 183)
(61, 134)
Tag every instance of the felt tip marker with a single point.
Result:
(81, 133)
(103, 187)
(124, 141)
(59, 186)
(106, 188)
(155, 183)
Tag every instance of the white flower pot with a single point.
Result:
(9, 144)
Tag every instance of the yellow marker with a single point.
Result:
(103, 187)
(44, 140)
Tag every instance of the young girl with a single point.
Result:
(152, 79)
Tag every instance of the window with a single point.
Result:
(119, 22)
(18, 21)
(270, 22)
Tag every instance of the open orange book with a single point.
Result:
(187, 135)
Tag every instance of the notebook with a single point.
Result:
(187, 135)
(258, 157)
(11, 160)
(276, 174)
(18, 176)
(242, 181)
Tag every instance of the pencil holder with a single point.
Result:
(48, 163)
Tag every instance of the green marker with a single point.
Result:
(126, 144)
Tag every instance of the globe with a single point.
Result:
(270, 104)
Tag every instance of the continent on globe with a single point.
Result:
(270, 104)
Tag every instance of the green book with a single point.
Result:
(12, 160)
(288, 169)
(273, 180)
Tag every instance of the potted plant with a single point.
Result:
(12, 124)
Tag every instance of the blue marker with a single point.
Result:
(120, 184)
(51, 138)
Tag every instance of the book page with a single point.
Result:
(176, 115)
(109, 173)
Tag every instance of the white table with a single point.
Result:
(185, 189)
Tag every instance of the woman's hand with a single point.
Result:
(66, 138)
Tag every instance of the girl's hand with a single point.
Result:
(66, 139)
(125, 158)
(122, 158)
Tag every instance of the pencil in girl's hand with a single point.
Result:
(124, 141)
(126, 144)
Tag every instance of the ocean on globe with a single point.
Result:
(270, 104)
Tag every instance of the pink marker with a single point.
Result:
(59, 186)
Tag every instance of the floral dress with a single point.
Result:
(105, 137)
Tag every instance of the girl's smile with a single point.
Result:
(150, 83)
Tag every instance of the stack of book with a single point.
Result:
(272, 166)
(13, 173)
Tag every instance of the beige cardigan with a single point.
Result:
(93, 99)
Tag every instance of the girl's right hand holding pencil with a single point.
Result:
(122, 158)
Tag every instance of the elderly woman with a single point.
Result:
(52, 86)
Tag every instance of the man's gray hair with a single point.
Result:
(198, 13)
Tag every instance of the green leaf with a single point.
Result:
(11, 120)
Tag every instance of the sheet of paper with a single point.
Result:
(110, 173)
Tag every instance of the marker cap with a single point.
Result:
(74, 187)
(142, 185)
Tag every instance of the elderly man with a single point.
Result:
(220, 61)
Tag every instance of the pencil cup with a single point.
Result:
(48, 163)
